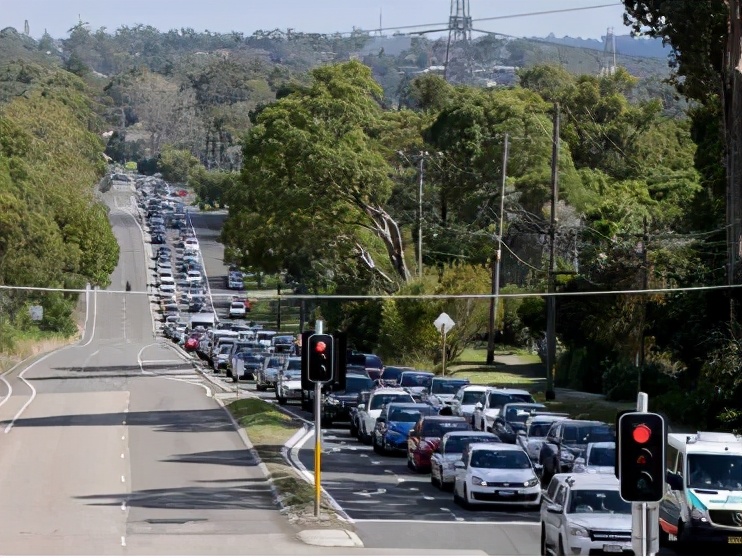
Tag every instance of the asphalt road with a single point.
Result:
(111, 445)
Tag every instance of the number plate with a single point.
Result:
(734, 540)
(612, 548)
(506, 493)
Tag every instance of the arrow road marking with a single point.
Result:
(369, 494)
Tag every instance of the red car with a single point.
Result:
(426, 436)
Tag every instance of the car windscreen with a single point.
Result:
(456, 444)
(357, 385)
(471, 397)
(404, 415)
(294, 364)
(391, 373)
(415, 380)
(436, 429)
(283, 340)
(539, 429)
(378, 401)
(292, 374)
(597, 501)
(497, 400)
(500, 459)
(602, 457)
(446, 387)
(516, 413)
(587, 434)
(372, 361)
(715, 471)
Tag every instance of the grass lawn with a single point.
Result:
(268, 429)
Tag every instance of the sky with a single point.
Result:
(309, 16)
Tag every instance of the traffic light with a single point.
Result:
(321, 356)
(641, 456)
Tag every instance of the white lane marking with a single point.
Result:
(123, 541)
(429, 497)
(443, 522)
(123, 478)
(208, 390)
(123, 506)
(95, 317)
(414, 489)
(123, 437)
(179, 361)
(122, 456)
(141, 362)
(10, 388)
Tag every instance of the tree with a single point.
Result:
(315, 183)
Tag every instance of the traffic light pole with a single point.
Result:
(318, 329)
(644, 515)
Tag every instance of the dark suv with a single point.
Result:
(567, 440)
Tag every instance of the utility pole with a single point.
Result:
(420, 217)
(645, 287)
(494, 302)
(551, 299)
(278, 309)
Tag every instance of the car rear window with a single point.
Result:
(436, 429)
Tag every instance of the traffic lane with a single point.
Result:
(494, 539)
(371, 486)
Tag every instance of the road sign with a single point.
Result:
(444, 323)
(36, 313)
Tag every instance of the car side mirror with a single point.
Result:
(411, 432)
(361, 407)
(458, 465)
(554, 508)
(580, 461)
(674, 480)
(478, 407)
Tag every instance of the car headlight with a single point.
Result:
(699, 515)
(478, 481)
(532, 482)
(577, 531)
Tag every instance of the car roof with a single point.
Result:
(385, 390)
(476, 387)
(447, 379)
(495, 446)
(585, 422)
(361, 376)
(509, 390)
(588, 480)
(409, 405)
(468, 433)
(418, 372)
(547, 418)
(602, 444)
(444, 418)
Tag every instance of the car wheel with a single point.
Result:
(377, 448)
(353, 430)
(483, 426)
(411, 463)
(561, 547)
(465, 499)
(282, 400)
(456, 498)
(446, 486)
(433, 480)
(543, 541)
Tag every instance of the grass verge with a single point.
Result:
(269, 429)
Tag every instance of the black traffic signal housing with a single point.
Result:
(642, 438)
(321, 356)
(339, 363)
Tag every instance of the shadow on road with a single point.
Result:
(238, 458)
(248, 496)
(204, 420)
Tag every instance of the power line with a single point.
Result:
(511, 16)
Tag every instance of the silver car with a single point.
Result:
(450, 450)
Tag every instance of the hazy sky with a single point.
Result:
(320, 16)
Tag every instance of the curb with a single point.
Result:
(254, 453)
(290, 452)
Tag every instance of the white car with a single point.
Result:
(367, 414)
(537, 427)
(466, 398)
(194, 276)
(496, 473)
(443, 390)
(489, 408)
(191, 244)
(237, 310)
(600, 457)
(288, 384)
(583, 515)
(449, 451)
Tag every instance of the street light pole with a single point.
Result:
(551, 300)
(494, 302)
(420, 217)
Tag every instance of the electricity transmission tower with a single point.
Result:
(459, 29)
(608, 65)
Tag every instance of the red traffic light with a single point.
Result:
(641, 434)
(320, 347)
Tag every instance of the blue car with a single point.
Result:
(395, 423)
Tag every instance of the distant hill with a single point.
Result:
(625, 44)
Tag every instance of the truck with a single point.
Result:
(206, 320)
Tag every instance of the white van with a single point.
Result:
(703, 498)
